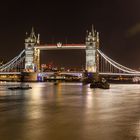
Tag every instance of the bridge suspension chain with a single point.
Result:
(13, 63)
(117, 65)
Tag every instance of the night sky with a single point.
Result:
(118, 22)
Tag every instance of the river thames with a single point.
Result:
(70, 111)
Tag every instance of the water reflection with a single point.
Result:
(137, 130)
(33, 108)
(70, 111)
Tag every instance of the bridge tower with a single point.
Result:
(92, 57)
(31, 54)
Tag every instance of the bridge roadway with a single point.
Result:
(10, 73)
(79, 74)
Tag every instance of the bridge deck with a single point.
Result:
(8, 73)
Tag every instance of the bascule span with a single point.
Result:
(60, 46)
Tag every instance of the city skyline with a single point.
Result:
(117, 23)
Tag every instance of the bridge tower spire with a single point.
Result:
(93, 31)
(92, 58)
(31, 54)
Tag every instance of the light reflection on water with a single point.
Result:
(69, 111)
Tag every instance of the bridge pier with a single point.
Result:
(29, 76)
(89, 77)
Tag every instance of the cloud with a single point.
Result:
(133, 30)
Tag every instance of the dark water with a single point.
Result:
(70, 111)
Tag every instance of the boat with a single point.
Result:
(103, 84)
(21, 87)
(56, 82)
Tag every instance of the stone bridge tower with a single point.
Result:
(92, 57)
(30, 53)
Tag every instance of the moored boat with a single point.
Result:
(100, 84)
(22, 87)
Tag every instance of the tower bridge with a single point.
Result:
(33, 48)
(28, 61)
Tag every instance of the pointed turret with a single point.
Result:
(32, 35)
(86, 33)
(93, 32)
(97, 36)
(38, 39)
